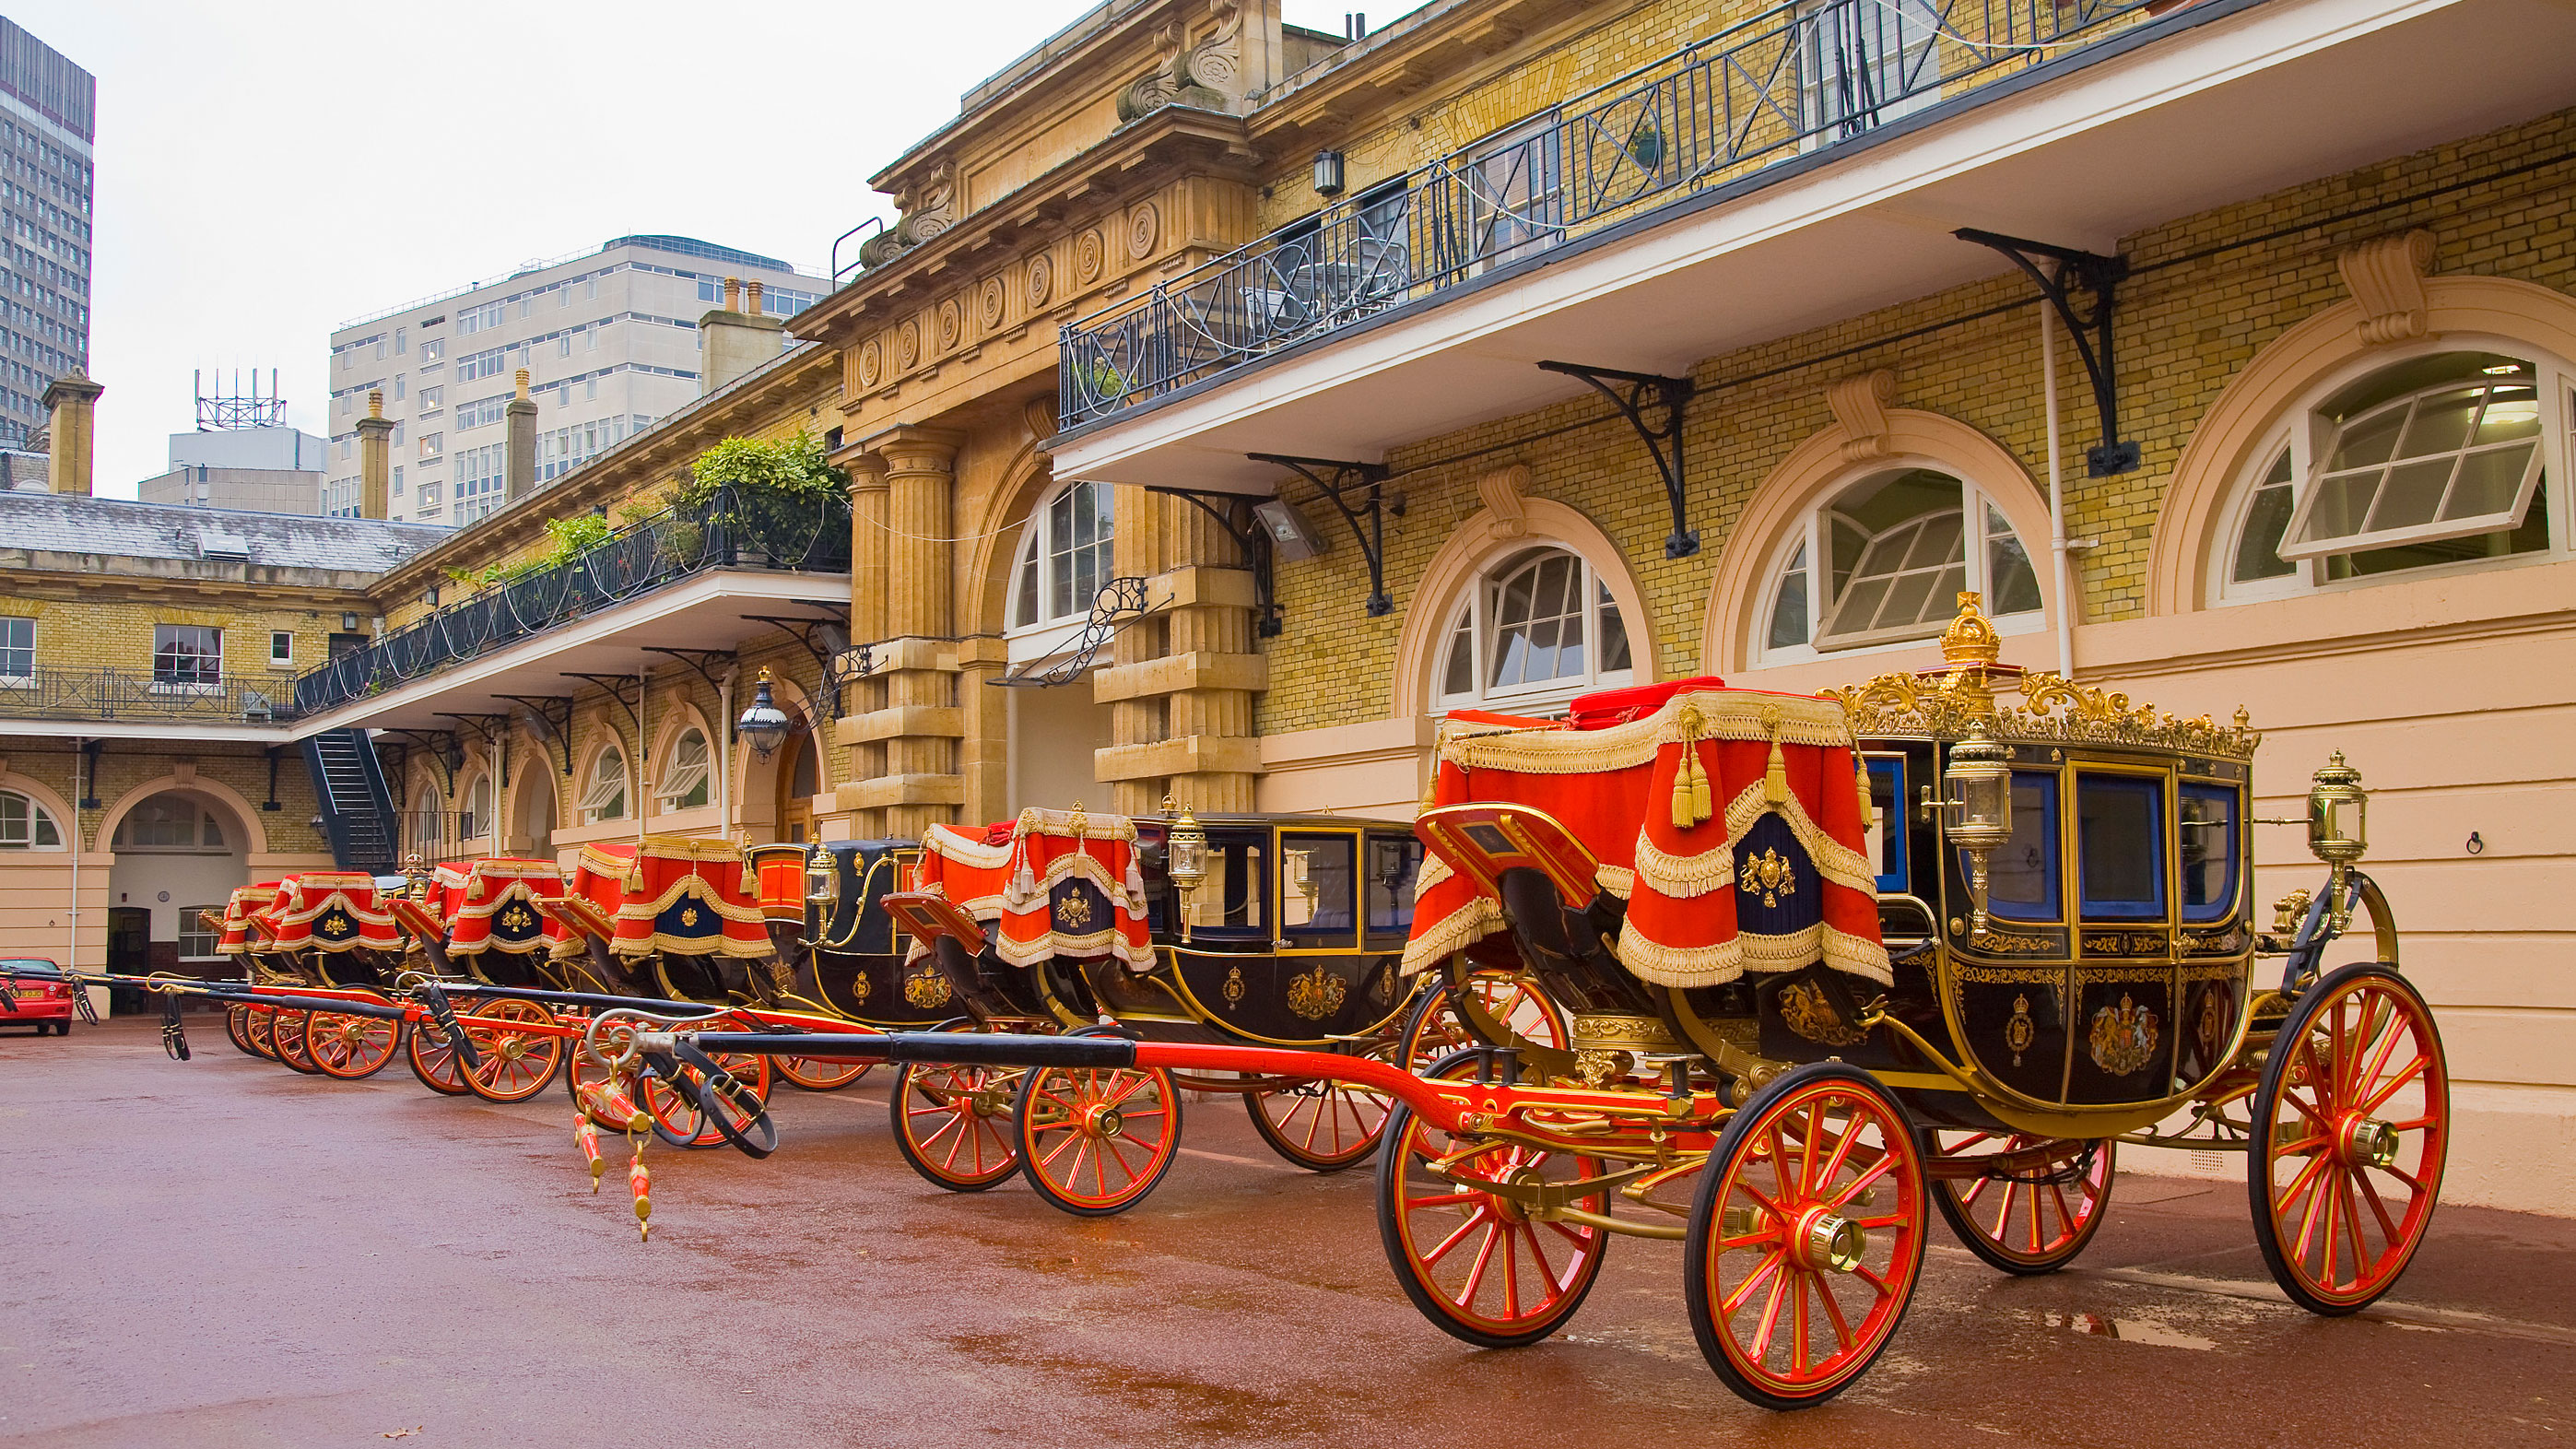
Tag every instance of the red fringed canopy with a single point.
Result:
(331, 911)
(1058, 883)
(493, 905)
(687, 897)
(1732, 822)
(246, 902)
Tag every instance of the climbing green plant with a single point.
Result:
(567, 539)
(753, 467)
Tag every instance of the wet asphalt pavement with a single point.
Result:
(223, 1253)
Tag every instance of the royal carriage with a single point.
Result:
(1832, 967)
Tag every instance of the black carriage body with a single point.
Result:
(2114, 971)
(855, 962)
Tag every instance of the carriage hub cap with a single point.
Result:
(2368, 1142)
(1827, 1239)
(1102, 1121)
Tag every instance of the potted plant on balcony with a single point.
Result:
(766, 500)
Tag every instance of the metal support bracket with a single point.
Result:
(1120, 602)
(835, 679)
(489, 729)
(1335, 478)
(271, 802)
(617, 685)
(1635, 393)
(2101, 276)
(696, 659)
(543, 708)
(1250, 537)
(443, 746)
(93, 749)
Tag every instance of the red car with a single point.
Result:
(40, 1004)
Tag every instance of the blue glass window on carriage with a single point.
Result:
(2022, 880)
(1887, 838)
(2208, 851)
(1393, 863)
(2120, 846)
(1318, 890)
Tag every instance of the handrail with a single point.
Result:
(108, 694)
(1799, 78)
(732, 529)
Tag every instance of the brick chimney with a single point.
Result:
(736, 337)
(375, 459)
(521, 461)
(73, 403)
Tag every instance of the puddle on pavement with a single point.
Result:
(2128, 1330)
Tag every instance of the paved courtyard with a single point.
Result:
(223, 1253)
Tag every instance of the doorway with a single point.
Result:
(129, 953)
(798, 780)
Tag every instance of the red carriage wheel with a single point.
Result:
(1095, 1140)
(351, 1047)
(1435, 1029)
(237, 1027)
(261, 1030)
(2351, 1128)
(673, 1106)
(950, 1123)
(433, 1060)
(2023, 1218)
(521, 1047)
(1321, 1126)
(1806, 1237)
(289, 1036)
(1476, 1262)
(820, 1074)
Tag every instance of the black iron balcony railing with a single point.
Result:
(146, 694)
(1791, 81)
(731, 530)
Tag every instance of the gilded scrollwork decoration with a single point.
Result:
(1316, 994)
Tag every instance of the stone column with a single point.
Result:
(520, 459)
(917, 722)
(1182, 685)
(866, 759)
(375, 460)
(72, 401)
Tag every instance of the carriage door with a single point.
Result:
(1318, 910)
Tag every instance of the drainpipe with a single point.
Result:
(724, 756)
(498, 797)
(71, 958)
(643, 755)
(2062, 572)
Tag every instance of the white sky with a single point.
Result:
(271, 169)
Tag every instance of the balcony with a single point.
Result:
(146, 696)
(729, 533)
(1793, 81)
(1805, 167)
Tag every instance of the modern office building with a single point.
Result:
(48, 111)
(608, 338)
(273, 469)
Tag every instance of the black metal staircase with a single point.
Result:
(357, 809)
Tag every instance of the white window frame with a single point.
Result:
(472, 823)
(681, 776)
(276, 653)
(595, 793)
(204, 816)
(1473, 613)
(192, 680)
(2304, 434)
(1050, 632)
(192, 923)
(38, 820)
(1810, 532)
(8, 623)
(429, 822)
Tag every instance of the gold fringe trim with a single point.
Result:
(1618, 880)
(1688, 966)
(1482, 916)
(1684, 876)
(686, 946)
(1721, 715)
(1106, 942)
(602, 862)
(696, 887)
(688, 847)
(1074, 825)
(950, 844)
(1834, 861)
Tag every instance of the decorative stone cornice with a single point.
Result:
(1860, 405)
(1502, 491)
(2386, 278)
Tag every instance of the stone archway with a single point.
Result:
(175, 850)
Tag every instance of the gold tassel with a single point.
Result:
(1691, 803)
(1868, 806)
(1775, 775)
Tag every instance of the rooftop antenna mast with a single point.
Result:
(229, 408)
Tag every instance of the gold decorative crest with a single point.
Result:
(2021, 1030)
(1316, 994)
(2124, 1038)
(1767, 875)
(1233, 989)
(1074, 910)
(517, 918)
(336, 924)
(1804, 1008)
(926, 988)
(861, 988)
(688, 915)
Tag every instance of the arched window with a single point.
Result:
(605, 797)
(1882, 560)
(26, 825)
(1064, 556)
(428, 822)
(171, 824)
(684, 772)
(2443, 459)
(1538, 628)
(474, 820)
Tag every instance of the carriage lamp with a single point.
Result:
(2338, 831)
(1185, 860)
(822, 881)
(764, 725)
(1978, 814)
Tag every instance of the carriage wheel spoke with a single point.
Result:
(2390, 1088)
(1762, 1271)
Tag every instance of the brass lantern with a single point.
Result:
(822, 880)
(2338, 813)
(1978, 814)
(1185, 860)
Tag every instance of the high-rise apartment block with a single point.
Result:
(48, 118)
(609, 340)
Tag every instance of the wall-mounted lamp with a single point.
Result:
(1290, 533)
(432, 597)
(1328, 173)
(764, 725)
(348, 623)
